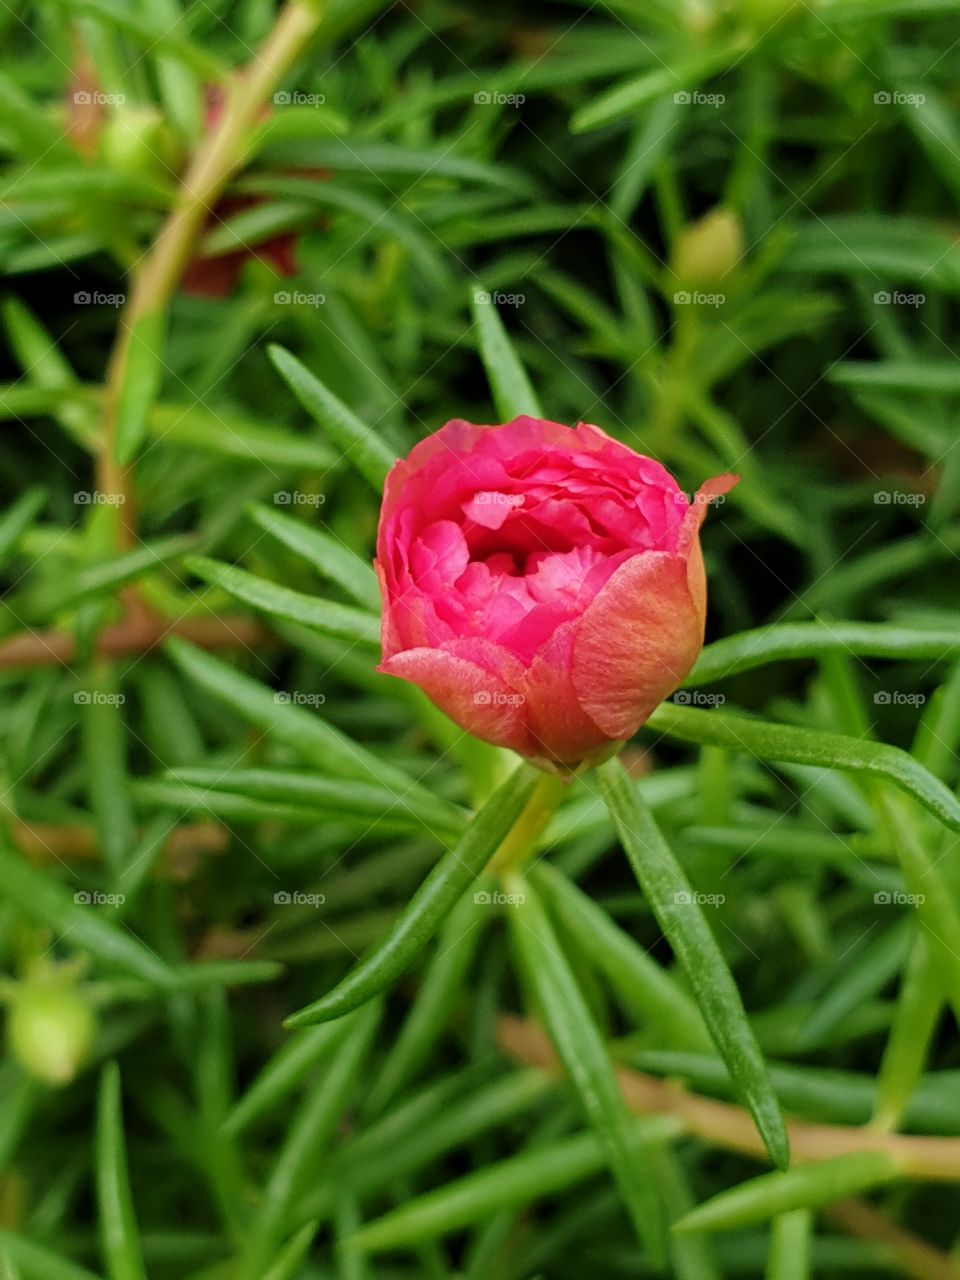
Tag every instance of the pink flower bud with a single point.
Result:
(542, 584)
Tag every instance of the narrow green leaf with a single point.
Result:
(513, 393)
(915, 1019)
(428, 1020)
(682, 76)
(678, 913)
(332, 619)
(141, 384)
(231, 436)
(288, 1066)
(38, 1262)
(789, 1257)
(306, 732)
(580, 1047)
(937, 739)
(923, 377)
(79, 920)
(342, 797)
(356, 442)
(98, 579)
(105, 759)
(863, 977)
(306, 1136)
(326, 553)
(647, 990)
(17, 519)
(805, 1186)
(289, 1261)
(430, 905)
(791, 745)
(528, 1177)
(118, 1226)
(749, 649)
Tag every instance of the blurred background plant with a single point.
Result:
(726, 233)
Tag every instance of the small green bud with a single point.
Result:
(51, 1030)
(138, 141)
(708, 249)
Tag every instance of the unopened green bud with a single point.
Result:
(708, 249)
(138, 141)
(51, 1030)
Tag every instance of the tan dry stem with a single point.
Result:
(221, 153)
(723, 1124)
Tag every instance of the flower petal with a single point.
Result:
(636, 642)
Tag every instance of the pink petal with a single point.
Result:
(479, 701)
(636, 642)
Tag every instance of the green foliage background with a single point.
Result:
(215, 811)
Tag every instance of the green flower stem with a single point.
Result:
(522, 839)
(219, 156)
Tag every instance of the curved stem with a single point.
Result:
(222, 152)
(723, 1124)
